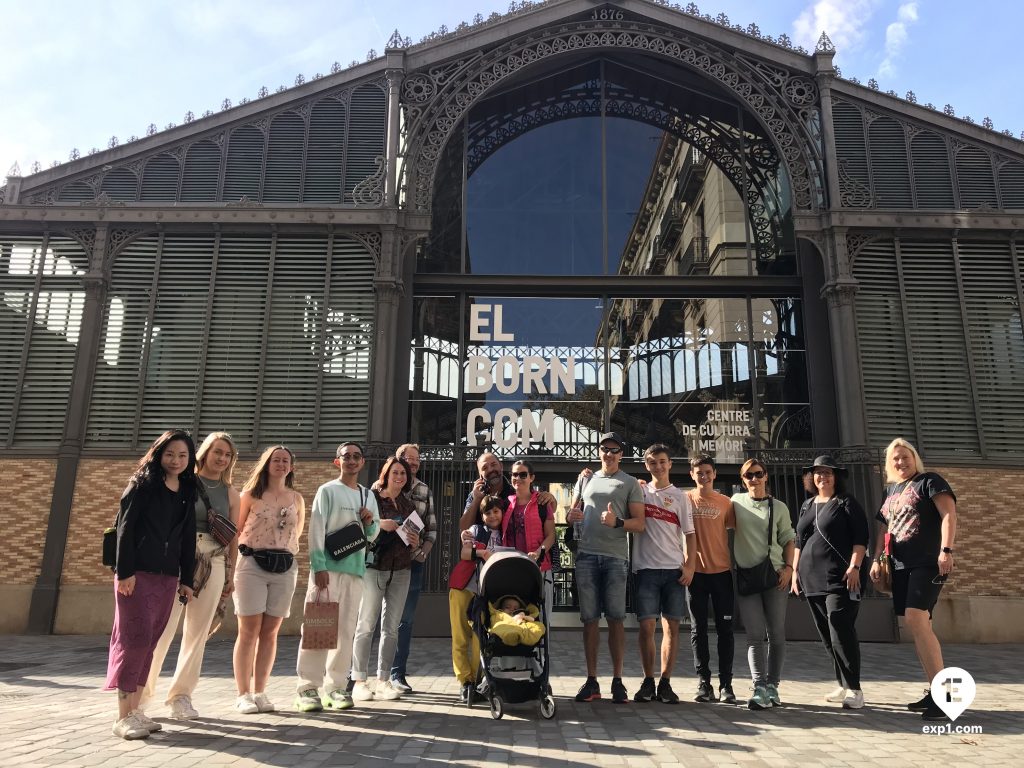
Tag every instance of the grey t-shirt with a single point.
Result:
(619, 490)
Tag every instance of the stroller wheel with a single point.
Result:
(497, 707)
(547, 707)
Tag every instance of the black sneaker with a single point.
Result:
(705, 692)
(590, 691)
(934, 713)
(665, 693)
(469, 694)
(726, 695)
(646, 692)
(922, 704)
(399, 683)
(350, 685)
(619, 694)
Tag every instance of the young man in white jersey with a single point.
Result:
(663, 561)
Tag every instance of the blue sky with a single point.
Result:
(73, 73)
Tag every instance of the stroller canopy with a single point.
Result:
(511, 573)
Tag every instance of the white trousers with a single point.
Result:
(198, 618)
(313, 667)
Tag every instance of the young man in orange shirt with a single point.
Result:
(713, 515)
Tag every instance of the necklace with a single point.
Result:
(210, 485)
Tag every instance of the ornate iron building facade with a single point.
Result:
(322, 263)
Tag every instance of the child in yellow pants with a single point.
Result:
(514, 623)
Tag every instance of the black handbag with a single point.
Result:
(348, 539)
(345, 541)
(110, 546)
(762, 577)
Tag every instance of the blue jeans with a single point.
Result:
(659, 593)
(601, 587)
(408, 617)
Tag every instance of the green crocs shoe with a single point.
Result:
(308, 701)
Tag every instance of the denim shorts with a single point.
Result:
(659, 593)
(601, 587)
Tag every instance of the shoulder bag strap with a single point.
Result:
(771, 531)
(825, 538)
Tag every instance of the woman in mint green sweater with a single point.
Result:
(764, 613)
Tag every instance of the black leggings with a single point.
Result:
(716, 587)
(835, 616)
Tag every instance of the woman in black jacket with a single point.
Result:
(156, 533)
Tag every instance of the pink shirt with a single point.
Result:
(269, 527)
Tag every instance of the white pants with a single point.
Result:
(312, 666)
(198, 618)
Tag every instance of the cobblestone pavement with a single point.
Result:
(53, 713)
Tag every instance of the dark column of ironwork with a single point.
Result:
(389, 292)
(395, 74)
(825, 75)
(46, 592)
(839, 292)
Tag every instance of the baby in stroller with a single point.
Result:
(511, 631)
(515, 623)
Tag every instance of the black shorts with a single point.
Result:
(916, 588)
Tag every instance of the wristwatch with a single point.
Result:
(619, 522)
(947, 550)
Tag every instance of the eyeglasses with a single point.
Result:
(609, 449)
(351, 456)
(754, 475)
(521, 475)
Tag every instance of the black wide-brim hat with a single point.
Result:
(827, 461)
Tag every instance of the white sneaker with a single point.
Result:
(148, 723)
(361, 692)
(839, 694)
(182, 709)
(855, 700)
(246, 704)
(130, 728)
(263, 703)
(386, 691)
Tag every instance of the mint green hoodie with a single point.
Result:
(336, 505)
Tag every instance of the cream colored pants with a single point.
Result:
(330, 668)
(198, 618)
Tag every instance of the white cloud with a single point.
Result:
(896, 35)
(843, 20)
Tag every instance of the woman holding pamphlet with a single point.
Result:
(386, 581)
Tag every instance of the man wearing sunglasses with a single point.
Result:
(613, 504)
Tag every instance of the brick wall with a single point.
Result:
(98, 490)
(989, 548)
(28, 490)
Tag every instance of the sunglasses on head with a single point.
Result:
(610, 449)
(521, 475)
(755, 475)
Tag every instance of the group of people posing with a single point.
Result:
(682, 561)
(171, 543)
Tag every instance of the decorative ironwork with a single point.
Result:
(396, 41)
(824, 44)
(372, 241)
(244, 202)
(857, 241)
(14, 171)
(756, 88)
(370, 191)
(852, 193)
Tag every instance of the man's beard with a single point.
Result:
(494, 479)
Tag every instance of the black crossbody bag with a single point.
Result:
(348, 539)
(762, 577)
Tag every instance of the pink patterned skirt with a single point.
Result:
(139, 621)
